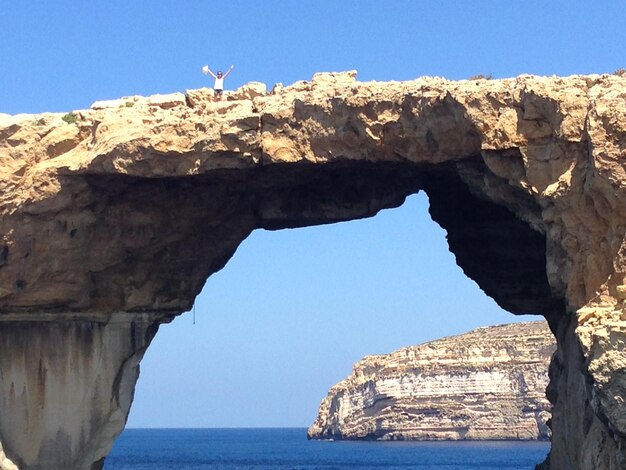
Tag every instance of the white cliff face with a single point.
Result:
(67, 387)
(486, 384)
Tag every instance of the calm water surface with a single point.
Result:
(237, 449)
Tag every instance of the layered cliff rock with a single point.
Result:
(125, 210)
(489, 383)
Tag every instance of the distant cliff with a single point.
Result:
(486, 384)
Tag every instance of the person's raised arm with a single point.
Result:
(230, 69)
(211, 72)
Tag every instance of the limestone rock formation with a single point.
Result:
(125, 209)
(489, 383)
(67, 385)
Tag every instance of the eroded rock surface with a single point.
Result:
(67, 384)
(128, 207)
(489, 383)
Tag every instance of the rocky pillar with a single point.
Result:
(588, 389)
(66, 386)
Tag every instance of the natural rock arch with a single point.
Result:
(103, 215)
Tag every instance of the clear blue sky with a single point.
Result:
(294, 309)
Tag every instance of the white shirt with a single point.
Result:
(219, 84)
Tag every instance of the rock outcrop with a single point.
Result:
(489, 383)
(127, 208)
(66, 387)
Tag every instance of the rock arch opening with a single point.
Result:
(347, 290)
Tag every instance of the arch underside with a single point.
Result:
(503, 254)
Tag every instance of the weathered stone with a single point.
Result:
(489, 383)
(277, 88)
(67, 385)
(249, 91)
(199, 97)
(165, 101)
(117, 103)
(526, 175)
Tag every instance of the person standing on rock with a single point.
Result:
(219, 79)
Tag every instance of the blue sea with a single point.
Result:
(288, 448)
